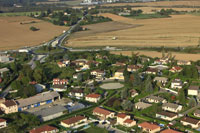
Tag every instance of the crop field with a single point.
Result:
(178, 56)
(15, 32)
(176, 31)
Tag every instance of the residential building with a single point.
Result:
(103, 113)
(125, 120)
(172, 107)
(4, 58)
(119, 64)
(37, 100)
(119, 74)
(59, 88)
(176, 84)
(188, 121)
(93, 98)
(133, 93)
(142, 105)
(3, 70)
(61, 64)
(193, 90)
(57, 81)
(73, 121)
(162, 80)
(159, 67)
(149, 127)
(155, 99)
(151, 71)
(176, 69)
(44, 129)
(182, 62)
(168, 116)
(99, 74)
(162, 61)
(77, 93)
(3, 123)
(133, 68)
(197, 113)
(170, 131)
(9, 106)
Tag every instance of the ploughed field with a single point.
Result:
(15, 32)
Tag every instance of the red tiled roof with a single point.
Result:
(177, 68)
(2, 120)
(43, 129)
(148, 126)
(128, 121)
(93, 95)
(121, 115)
(73, 119)
(9, 103)
(170, 131)
(101, 111)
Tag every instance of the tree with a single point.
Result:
(32, 28)
(192, 102)
(124, 93)
(127, 105)
(148, 84)
(117, 104)
(181, 96)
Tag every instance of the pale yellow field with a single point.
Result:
(178, 56)
(179, 30)
(14, 35)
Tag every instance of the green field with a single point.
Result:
(94, 129)
(148, 16)
(19, 13)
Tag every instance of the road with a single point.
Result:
(6, 91)
(190, 110)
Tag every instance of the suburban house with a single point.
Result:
(169, 131)
(57, 81)
(119, 64)
(99, 74)
(79, 62)
(188, 121)
(133, 68)
(142, 105)
(155, 99)
(182, 62)
(44, 129)
(197, 113)
(172, 107)
(119, 74)
(66, 62)
(176, 84)
(133, 93)
(176, 69)
(149, 127)
(162, 61)
(162, 80)
(9, 106)
(37, 100)
(93, 98)
(193, 90)
(61, 64)
(3, 123)
(151, 71)
(59, 88)
(4, 58)
(159, 67)
(125, 120)
(166, 115)
(103, 113)
(77, 93)
(73, 121)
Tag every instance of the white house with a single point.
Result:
(188, 121)
(166, 115)
(172, 107)
(176, 84)
(3, 123)
(193, 90)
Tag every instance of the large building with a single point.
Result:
(8, 106)
(37, 100)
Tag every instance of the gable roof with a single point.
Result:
(43, 129)
(168, 114)
(170, 131)
(121, 115)
(9, 103)
(148, 126)
(2, 120)
(93, 95)
(73, 119)
(101, 111)
(171, 105)
(190, 120)
(193, 87)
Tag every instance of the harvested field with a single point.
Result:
(178, 56)
(177, 31)
(183, 3)
(15, 32)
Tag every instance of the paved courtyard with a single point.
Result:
(110, 86)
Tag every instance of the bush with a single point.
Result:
(34, 28)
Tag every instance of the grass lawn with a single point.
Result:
(94, 129)
(51, 51)
(148, 16)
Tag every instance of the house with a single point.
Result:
(73, 121)
(37, 100)
(92, 62)
(188, 121)
(119, 64)
(162, 61)
(44, 129)
(149, 127)
(151, 71)
(182, 62)
(193, 90)
(197, 113)
(169, 131)
(142, 105)
(176, 84)
(168, 116)
(77, 93)
(66, 62)
(125, 120)
(79, 62)
(176, 69)
(3, 70)
(155, 99)
(159, 67)
(99, 74)
(133, 68)
(133, 93)
(172, 107)
(93, 98)
(3, 123)
(119, 74)
(59, 88)
(57, 81)
(162, 80)
(61, 64)
(9, 106)
(4, 58)
(103, 113)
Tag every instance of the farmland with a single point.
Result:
(15, 32)
(176, 31)
(178, 56)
